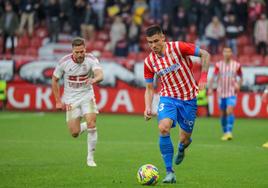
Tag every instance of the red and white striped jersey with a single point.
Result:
(173, 70)
(76, 75)
(227, 75)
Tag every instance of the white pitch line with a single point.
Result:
(21, 115)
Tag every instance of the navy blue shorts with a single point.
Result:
(183, 112)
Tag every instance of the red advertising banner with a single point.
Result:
(121, 91)
(249, 104)
(122, 99)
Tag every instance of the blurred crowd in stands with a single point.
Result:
(116, 27)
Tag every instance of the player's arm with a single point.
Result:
(149, 93)
(239, 79)
(205, 61)
(98, 76)
(188, 49)
(56, 92)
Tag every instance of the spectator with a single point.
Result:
(155, 10)
(232, 32)
(134, 37)
(214, 33)
(27, 16)
(241, 7)
(66, 15)
(89, 23)
(192, 34)
(139, 9)
(99, 8)
(166, 25)
(53, 17)
(78, 16)
(117, 33)
(261, 35)
(179, 24)
(9, 24)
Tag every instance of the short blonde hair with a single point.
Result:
(78, 41)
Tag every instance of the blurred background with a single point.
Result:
(36, 33)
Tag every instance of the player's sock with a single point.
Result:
(183, 146)
(230, 122)
(83, 127)
(224, 124)
(92, 137)
(167, 151)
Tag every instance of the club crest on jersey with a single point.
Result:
(169, 69)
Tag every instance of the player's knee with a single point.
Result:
(91, 124)
(229, 111)
(164, 130)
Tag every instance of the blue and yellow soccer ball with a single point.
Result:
(148, 174)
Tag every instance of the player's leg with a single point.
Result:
(223, 115)
(185, 141)
(73, 117)
(166, 117)
(89, 109)
(92, 137)
(166, 149)
(231, 102)
(186, 118)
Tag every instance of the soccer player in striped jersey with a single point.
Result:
(228, 75)
(171, 63)
(265, 99)
(80, 71)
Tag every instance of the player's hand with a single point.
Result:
(147, 114)
(59, 106)
(90, 81)
(202, 85)
(237, 87)
(203, 81)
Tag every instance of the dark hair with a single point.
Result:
(78, 41)
(152, 30)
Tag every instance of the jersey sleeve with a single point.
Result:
(96, 64)
(148, 73)
(188, 49)
(59, 70)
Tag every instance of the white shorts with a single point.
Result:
(81, 108)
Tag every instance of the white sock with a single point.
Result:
(83, 127)
(92, 138)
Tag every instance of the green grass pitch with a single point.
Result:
(36, 150)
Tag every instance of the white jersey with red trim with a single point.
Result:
(174, 70)
(76, 76)
(226, 74)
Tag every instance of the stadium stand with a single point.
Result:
(137, 12)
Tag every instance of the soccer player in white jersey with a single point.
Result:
(228, 75)
(80, 71)
(265, 99)
(170, 61)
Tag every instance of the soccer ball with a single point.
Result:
(148, 174)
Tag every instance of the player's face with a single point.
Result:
(79, 53)
(227, 53)
(156, 43)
